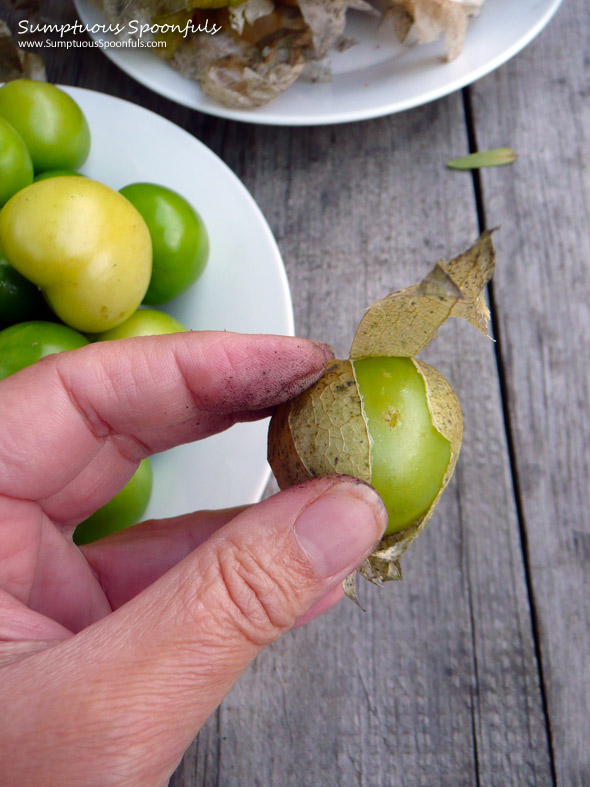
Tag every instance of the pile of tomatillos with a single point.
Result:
(80, 262)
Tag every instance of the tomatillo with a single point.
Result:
(385, 416)
(16, 167)
(409, 457)
(179, 240)
(50, 122)
(84, 245)
(57, 173)
(143, 322)
(123, 510)
(20, 300)
(370, 418)
(25, 343)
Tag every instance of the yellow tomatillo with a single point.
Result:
(84, 245)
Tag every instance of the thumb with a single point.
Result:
(145, 678)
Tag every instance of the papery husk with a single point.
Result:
(404, 322)
(248, 13)
(331, 431)
(423, 21)
(17, 63)
(236, 73)
(326, 20)
(323, 431)
(245, 78)
(263, 48)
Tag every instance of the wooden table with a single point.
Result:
(473, 670)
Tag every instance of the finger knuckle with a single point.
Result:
(259, 599)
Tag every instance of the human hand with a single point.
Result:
(112, 656)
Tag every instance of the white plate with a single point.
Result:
(244, 287)
(369, 79)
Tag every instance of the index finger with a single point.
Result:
(76, 424)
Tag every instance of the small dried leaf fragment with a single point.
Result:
(498, 157)
(403, 323)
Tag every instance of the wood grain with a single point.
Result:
(539, 103)
(439, 678)
(437, 683)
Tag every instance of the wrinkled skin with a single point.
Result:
(113, 656)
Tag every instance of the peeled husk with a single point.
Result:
(326, 20)
(231, 71)
(266, 45)
(263, 47)
(323, 431)
(423, 21)
(249, 13)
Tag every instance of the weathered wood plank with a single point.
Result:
(437, 682)
(439, 679)
(539, 104)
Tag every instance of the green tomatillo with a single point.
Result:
(143, 322)
(50, 122)
(57, 173)
(25, 343)
(179, 240)
(16, 167)
(20, 300)
(384, 416)
(125, 509)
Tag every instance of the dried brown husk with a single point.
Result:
(404, 322)
(263, 48)
(331, 432)
(239, 74)
(423, 21)
(248, 13)
(17, 63)
(323, 431)
(326, 20)
(284, 42)
(287, 39)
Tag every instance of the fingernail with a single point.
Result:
(340, 528)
